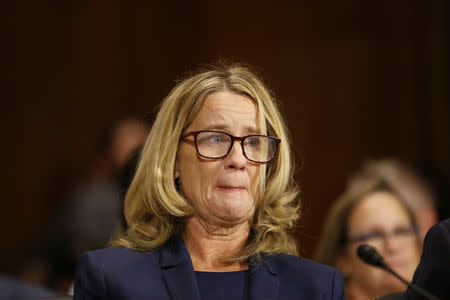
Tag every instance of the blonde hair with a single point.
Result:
(154, 207)
(404, 179)
(334, 234)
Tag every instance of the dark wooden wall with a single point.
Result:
(357, 80)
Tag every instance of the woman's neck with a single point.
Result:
(210, 245)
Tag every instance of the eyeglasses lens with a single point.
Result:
(217, 145)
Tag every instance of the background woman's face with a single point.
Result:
(222, 191)
(381, 214)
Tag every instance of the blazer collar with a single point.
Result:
(178, 273)
(174, 252)
(263, 279)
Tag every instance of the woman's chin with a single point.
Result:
(395, 285)
(234, 214)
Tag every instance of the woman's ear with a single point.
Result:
(176, 171)
(176, 176)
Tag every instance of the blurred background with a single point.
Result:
(357, 80)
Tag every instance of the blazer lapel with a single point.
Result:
(178, 272)
(263, 280)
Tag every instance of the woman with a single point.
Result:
(210, 207)
(408, 184)
(369, 212)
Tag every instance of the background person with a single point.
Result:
(433, 272)
(13, 289)
(211, 205)
(92, 213)
(407, 184)
(370, 213)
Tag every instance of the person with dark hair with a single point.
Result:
(92, 213)
(433, 272)
(210, 209)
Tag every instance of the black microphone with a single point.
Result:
(371, 256)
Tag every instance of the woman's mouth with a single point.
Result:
(232, 188)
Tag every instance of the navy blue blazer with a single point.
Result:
(167, 273)
(433, 272)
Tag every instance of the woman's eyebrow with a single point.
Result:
(249, 129)
(253, 130)
(218, 127)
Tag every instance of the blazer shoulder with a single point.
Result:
(114, 252)
(290, 263)
(437, 239)
(444, 226)
(121, 258)
(108, 272)
(434, 268)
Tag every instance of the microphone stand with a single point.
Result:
(370, 256)
(414, 287)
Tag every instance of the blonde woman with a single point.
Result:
(370, 212)
(210, 207)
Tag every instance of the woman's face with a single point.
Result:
(222, 191)
(381, 221)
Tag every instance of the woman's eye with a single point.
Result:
(216, 139)
(253, 142)
(213, 139)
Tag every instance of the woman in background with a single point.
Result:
(407, 183)
(370, 213)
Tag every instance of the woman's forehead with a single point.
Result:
(222, 110)
(378, 210)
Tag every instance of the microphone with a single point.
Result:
(371, 257)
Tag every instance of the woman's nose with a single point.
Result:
(391, 243)
(236, 158)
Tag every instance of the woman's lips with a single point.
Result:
(232, 188)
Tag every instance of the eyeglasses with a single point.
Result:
(216, 144)
(376, 238)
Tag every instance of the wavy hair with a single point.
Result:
(154, 207)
